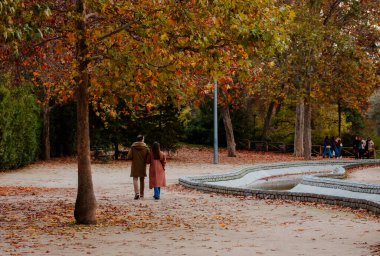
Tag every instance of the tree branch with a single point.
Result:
(90, 15)
(117, 30)
(333, 6)
(192, 49)
(48, 40)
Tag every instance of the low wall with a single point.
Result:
(199, 183)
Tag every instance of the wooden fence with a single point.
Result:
(316, 150)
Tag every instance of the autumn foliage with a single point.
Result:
(126, 58)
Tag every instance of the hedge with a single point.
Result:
(19, 126)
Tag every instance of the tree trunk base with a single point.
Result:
(85, 213)
(231, 155)
(231, 145)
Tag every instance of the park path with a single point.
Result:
(184, 222)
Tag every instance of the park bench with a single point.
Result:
(121, 154)
(102, 154)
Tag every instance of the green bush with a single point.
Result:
(19, 126)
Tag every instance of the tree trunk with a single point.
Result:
(85, 205)
(299, 129)
(46, 133)
(231, 146)
(268, 118)
(339, 119)
(117, 152)
(307, 127)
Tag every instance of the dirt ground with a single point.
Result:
(36, 214)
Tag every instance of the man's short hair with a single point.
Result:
(140, 137)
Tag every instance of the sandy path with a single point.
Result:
(184, 222)
(370, 175)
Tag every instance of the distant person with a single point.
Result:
(332, 143)
(326, 147)
(338, 148)
(356, 146)
(371, 148)
(138, 153)
(157, 161)
(362, 146)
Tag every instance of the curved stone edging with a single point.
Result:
(324, 180)
(239, 173)
(344, 185)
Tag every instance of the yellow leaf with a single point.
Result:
(164, 37)
(71, 37)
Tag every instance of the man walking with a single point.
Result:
(138, 153)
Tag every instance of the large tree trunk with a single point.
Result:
(299, 129)
(231, 146)
(307, 127)
(85, 205)
(268, 118)
(46, 133)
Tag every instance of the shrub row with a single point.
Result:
(19, 126)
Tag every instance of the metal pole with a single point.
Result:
(216, 122)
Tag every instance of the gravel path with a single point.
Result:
(39, 220)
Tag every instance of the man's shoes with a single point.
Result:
(156, 197)
(137, 197)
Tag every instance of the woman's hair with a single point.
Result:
(156, 150)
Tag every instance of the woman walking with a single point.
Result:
(157, 161)
(326, 147)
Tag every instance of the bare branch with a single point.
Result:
(48, 40)
(90, 15)
(97, 57)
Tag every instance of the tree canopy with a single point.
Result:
(124, 58)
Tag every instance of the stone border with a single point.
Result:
(344, 185)
(324, 180)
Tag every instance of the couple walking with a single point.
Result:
(141, 156)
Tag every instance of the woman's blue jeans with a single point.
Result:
(328, 151)
(338, 151)
(157, 192)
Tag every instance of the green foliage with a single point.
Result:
(161, 123)
(244, 126)
(19, 20)
(282, 126)
(356, 119)
(19, 126)
(199, 128)
(105, 136)
(376, 140)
